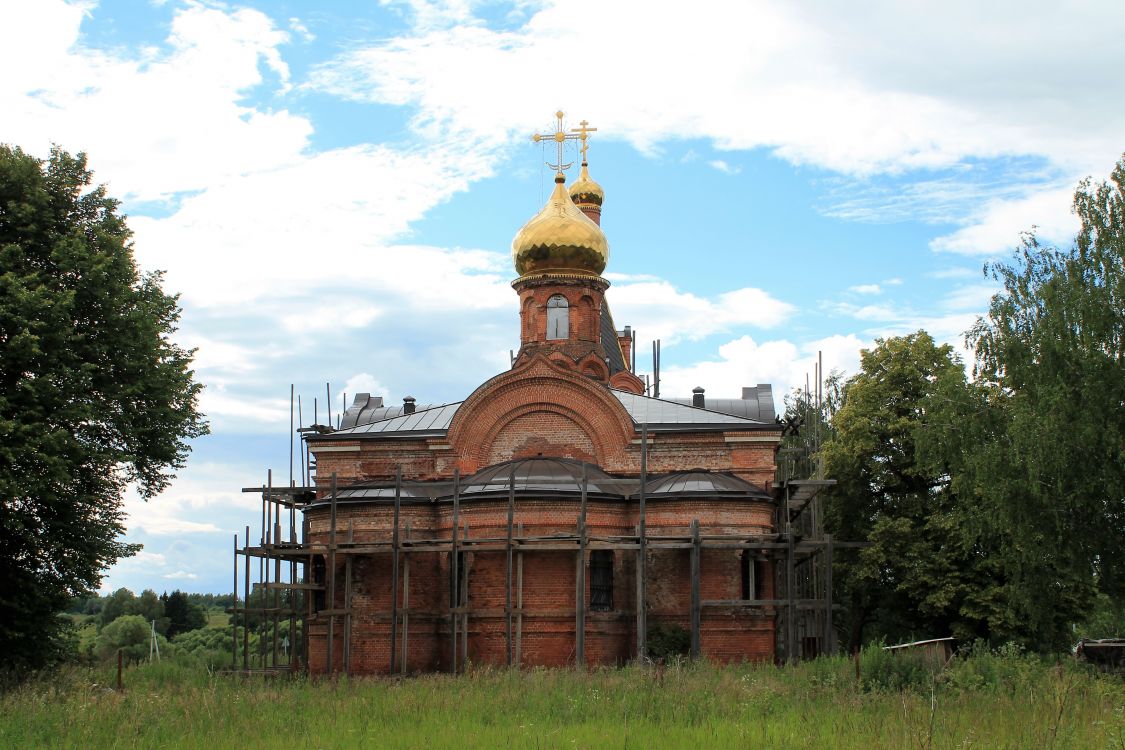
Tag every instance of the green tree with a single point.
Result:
(923, 562)
(133, 635)
(94, 394)
(183, 616)
(120, 602)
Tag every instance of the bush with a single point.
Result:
(133, 635)
(667, 642)
(888, 670)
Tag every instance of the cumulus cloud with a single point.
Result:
(781, 362)
(999, 224)
(865, 289)
(157, 120)
(672, 315)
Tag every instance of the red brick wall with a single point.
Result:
(548, 584)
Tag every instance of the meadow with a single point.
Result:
(986, 700)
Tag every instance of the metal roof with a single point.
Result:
(702, 483)
(667, 415)
(368, 418)
(425, 422)
(366, 408)
(614, 356)
(542, 476)
(756, 403)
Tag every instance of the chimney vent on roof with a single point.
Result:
(697, 397)
(408, 405)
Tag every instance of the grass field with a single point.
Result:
(988, 701)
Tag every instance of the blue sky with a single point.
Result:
(332, 187)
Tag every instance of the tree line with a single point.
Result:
(993, 500)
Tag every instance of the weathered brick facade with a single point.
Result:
(570, 398)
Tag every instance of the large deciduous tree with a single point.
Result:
(921, 566)
(1052, 350)
(94, 394)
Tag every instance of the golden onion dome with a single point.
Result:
(585, 190)
(560, 238)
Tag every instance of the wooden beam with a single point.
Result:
(331, 575)
(829, 631)
(406, 605)
(580, 579)
(465, 604)
(394, 564)
(508, 564)
(695, 593)
(642, 624)
(519, 603)
(454, 589)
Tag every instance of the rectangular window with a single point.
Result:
(753, 576)
(601, 580)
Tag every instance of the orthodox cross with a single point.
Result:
(583, 133)
(560, 136)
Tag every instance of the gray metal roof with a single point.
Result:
(366, 408)
(668, 415)
(756, 403)
(542, 476)
(662, 415)
(703, 484)
(425, 422)
(613, 354)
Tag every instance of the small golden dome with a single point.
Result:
(585, 190)
(560, 238)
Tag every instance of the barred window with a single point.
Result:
(601, 580)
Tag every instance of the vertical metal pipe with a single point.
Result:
(394, 566)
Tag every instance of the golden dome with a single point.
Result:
(560, 238)
(585, 190)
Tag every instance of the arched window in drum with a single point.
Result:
(558, 318)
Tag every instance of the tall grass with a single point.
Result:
(987, 700)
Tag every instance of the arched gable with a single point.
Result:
(576, 416)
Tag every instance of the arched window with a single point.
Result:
(558, 318)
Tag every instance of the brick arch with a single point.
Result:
(543, 387)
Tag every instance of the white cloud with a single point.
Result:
(744, 361)
(866, 289)
(670, 314)
(999, 224)
(866, 101)
(974, 297)
(724, 167)
(155, 122)
(180, 575)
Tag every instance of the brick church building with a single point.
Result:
(557, 515)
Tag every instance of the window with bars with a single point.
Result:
(601, 580)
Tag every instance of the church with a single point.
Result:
(558, 515)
